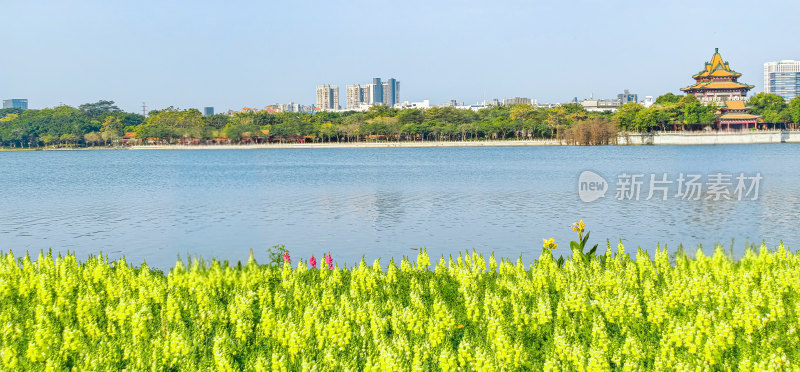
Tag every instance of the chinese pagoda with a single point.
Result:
(718, 84)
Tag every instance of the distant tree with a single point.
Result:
(219, 121)
(410, 116)
(771, 107)
(68, 138)
(351, 126)
(379, 110)
(592, 132)
(626, 115)
(48, 139)
(10, 110)
(556, 118)
(233, 132)
(794, 109)
(326, 131)
(92, 138)
(99, 109)
(668, 99)
(522, 112)
(111, 128)
(645, 120)
(8, 117)
(763, 102)
(129, 119)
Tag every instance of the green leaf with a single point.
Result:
(583, 242)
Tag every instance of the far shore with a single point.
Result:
(624, 139)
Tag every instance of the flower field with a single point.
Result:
(609, 312)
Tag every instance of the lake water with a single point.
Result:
(157, 205)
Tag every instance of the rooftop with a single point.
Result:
(716, 67)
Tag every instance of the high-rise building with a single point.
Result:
(782, 78)
(328, 97)
(391, 92)
(208, 111)
(358, 95)
(16, 103)
(376, 91)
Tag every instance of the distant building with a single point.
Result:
(782, 78)
(452, 103)
(289, 107)
(294, 107)
(391, 92)
(600, 105)
(627, 97)
(546, 105)
(208, 111)
(517, 101)
(358, 95)
(276, 108)
(648, 101)
(461, 106)
(413, 105)
(376, 91)
(328, 97)
(21, 103)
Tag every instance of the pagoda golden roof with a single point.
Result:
(738, 116)
(717, 67)
(717, 85)
(724, 73)
(735, 105)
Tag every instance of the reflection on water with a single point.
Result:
(157, 205)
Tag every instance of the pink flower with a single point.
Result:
(329, 261)
(313, 262)
(286, 257)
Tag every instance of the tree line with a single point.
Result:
(103, 124)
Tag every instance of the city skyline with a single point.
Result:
(202, 54)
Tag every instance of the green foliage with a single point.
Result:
(11, 110)
(99, 109)
(63, 124)
(276, 253)
(468, 313)
(40, 127)
(771, 107)
(626, 116)
(794, 109)
(668, 99)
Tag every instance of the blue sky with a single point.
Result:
(230, 54)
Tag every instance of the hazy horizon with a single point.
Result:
(233, 54)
